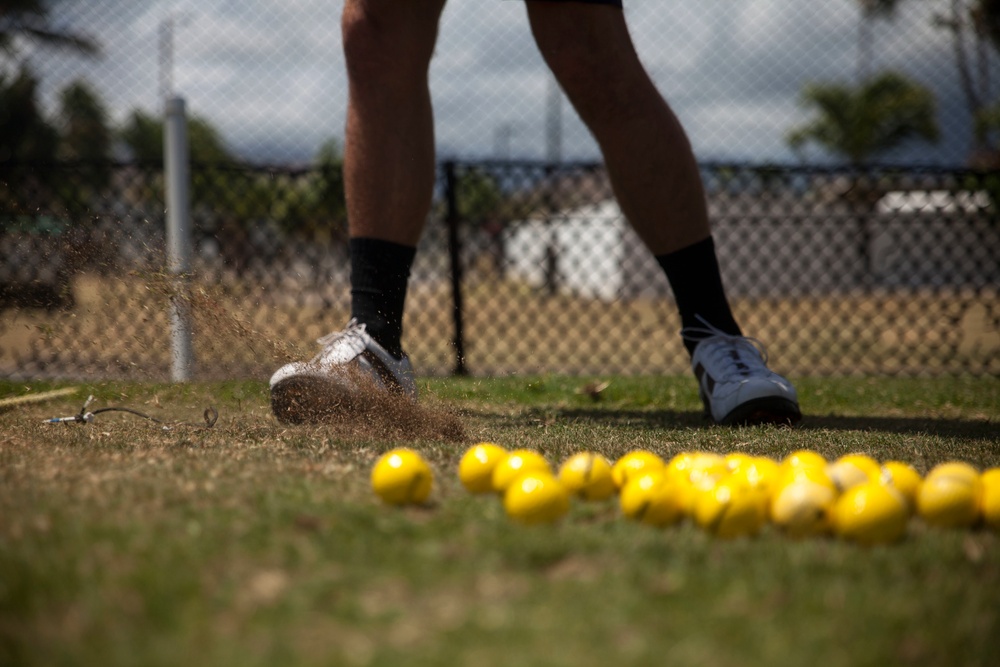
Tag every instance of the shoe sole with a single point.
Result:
(305, 400)
(760, 411)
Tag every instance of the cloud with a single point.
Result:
(270, 75)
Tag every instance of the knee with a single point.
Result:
(592, 66)
(574, 65)
(383, 48)
(599, 71)
(596, 84)
(369, 47)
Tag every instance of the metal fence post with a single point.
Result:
(455, 258)
(177, 175)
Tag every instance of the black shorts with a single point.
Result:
(613, 3)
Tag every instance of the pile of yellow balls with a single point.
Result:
(804, 495)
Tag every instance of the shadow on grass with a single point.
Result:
(969, 429)
(630, 418)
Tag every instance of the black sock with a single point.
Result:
(693, 273)
(380, 271)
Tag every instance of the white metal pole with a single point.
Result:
(177, 178)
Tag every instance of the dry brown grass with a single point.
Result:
(119, 328)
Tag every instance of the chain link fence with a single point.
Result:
(839, 266)
(525, 267)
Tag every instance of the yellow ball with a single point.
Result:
(871, 513)
(853, 469)
(685, 491)
(650, 499)
(804, 458)
(760, 475)
(707, 466)
(695, 473)
(765, 473)
(955, 469)
(758, 472)
(989, 501)
(812, 473)
(904, 478)
(679, 464)
(738, 460)
(516, 464)
(867, 463)
(634, 463)
(588, 475)
(402, 477)
(802, 508)
(475, 469)
(536, 497)
(694, 489)
(949, 496)
(730, 510)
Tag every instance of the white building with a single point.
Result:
(781, 244)
(590, 251)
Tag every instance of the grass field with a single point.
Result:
(254, 543)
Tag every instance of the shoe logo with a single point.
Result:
(740, 366)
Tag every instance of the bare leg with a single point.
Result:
(647, 153)
(389, 152)
(658, 187)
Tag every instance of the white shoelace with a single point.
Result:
(351, 333)
(740, 357)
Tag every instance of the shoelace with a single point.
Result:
(743, 354)
(352, 330)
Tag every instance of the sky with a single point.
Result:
(270, 75)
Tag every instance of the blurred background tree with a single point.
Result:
(142, 134)
(83, 124)
(974, 27)
(861, 122)
(26, 135)
(29, 19)
(312, 205)
(871, 11)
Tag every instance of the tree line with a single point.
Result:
(879, 111)
(68, 163)
(857, 121)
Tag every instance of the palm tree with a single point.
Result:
(870, 10)
(858, 123)
(24, 132)
(861, 122)
(975, 27)
(29, 18)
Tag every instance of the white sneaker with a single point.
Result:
(735, 383)
(335, 379)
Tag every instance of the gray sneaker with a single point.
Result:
(337, 379)
(735, 383)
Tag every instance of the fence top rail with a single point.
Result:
(887, 169)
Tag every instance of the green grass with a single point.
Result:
(259, 544)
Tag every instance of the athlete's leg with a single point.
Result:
(658, 187)
(388, 182)
(647, 153)
(389, 152)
